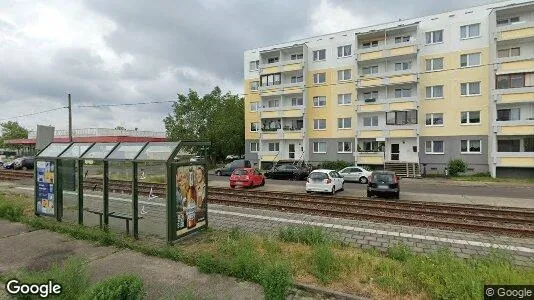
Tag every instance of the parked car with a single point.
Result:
(24, 163)
(287, 172)
(383, 183)
(234, 157)
(230, 167)
(357, 174)
(328, 181)
(10, 164)
(246, 177)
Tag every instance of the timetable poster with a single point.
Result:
(45, 188)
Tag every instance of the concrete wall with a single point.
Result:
(515, 172)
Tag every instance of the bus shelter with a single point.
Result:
(185, 171)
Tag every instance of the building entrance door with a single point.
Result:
(291, 151)
(395, 152)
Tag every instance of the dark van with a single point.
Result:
(230, 167)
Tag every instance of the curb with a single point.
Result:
(327, 292)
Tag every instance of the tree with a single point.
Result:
(12, 130)
(215, 117)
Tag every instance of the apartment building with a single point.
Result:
(408, 95)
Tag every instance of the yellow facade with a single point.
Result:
(251, 117)
(398, 133)
(516, 34)
(452, 103)
(517, 130)
(517, 66)
(516, 162)
(332, 111)
(517, 97)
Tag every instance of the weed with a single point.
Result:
(276, 279)
(309, 235)
(326, 265)
(399, 252)
(122, 287)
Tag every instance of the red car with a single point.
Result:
(246, 177)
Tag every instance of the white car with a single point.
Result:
(328, 181)
(357, 174)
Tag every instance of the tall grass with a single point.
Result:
(309, 235)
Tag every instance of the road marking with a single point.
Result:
(327, 225)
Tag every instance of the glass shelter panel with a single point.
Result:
(126, 151)
(53, 150)
(99, 150)
(157, 151)
(75, 150)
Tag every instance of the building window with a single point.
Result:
(271, 79)
(297, 101)
(319, 55)
(470, 60)
(254, 127)
(274, 146)
(319, 124)
(254, 65)
(344, 147)
(470, 117)
(470, 146)
(254, 106)
(344, 74)
(370, 96)
(344, 123)
(319, 147)
(434, 147)
(434, 37)
(373, 146)
(403, 93)
(370, 121)
(254, 85)
(344, 99)
(400, 66)
(434, 119)
(402, 39)
(470, 31)
(509, 146)
(319, 78)
(508, 114)
(272, 60)
(401, 117)
(507, 21)
(370, 70)
(297, 78)
(518, 80)
(370, 44)
(319, 101)
(254, 147)
(344, 51)
(273, 103)
(435, 91)
(434, 64)
(296, 56)
(509, 52)
(470, 88)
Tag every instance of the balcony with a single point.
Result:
(514, 159)
(511, 65)
(284, 66)
(282, 89)
(387, 50)
(369, 158)
(390, 78)
(521, 127)
(517, 31)
(282, 112)
(390, 131)
(514, 95)
(390, 104)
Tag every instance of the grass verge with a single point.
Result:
(308, 255)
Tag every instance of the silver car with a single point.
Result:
(356, 174)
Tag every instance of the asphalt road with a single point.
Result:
(424, 186)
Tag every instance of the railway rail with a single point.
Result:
(473, 218)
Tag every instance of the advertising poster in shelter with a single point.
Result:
(45, 188)
(191, 192)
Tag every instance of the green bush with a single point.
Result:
(334, 165)
(457, 166)
(326, 266)
(125, 286)
(309, 235)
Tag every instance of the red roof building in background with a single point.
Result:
(96, 135)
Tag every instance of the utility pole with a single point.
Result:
(70, 119)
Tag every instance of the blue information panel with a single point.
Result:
(45, 188)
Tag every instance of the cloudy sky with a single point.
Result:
(122, 51)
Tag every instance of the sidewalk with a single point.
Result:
(37, 250)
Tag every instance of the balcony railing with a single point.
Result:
(520, 30)
(89, 132)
